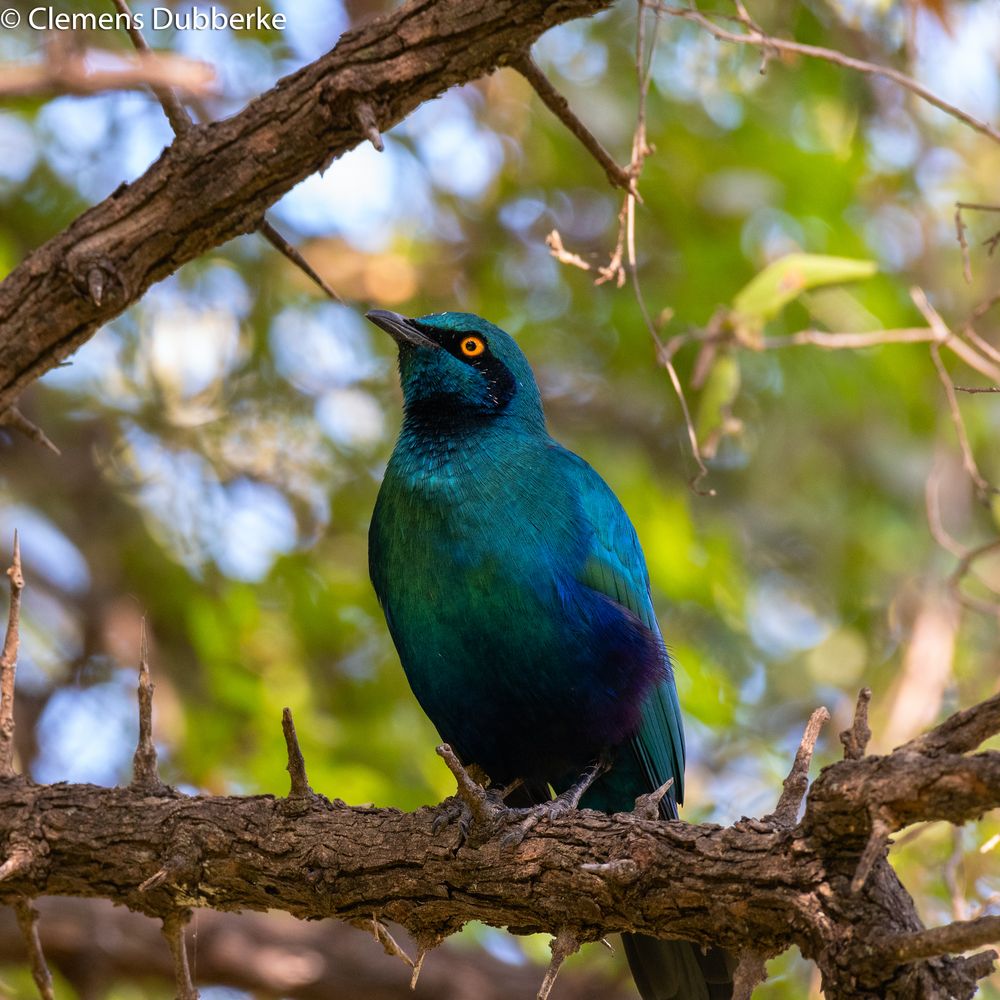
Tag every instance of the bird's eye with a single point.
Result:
(472, 347)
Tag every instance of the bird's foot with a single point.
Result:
(561, 804)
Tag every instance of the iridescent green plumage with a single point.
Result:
(516, 592)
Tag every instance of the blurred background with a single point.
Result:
(223, 441)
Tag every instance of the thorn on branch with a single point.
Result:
(648, 806)
(16, 420)
(563, 945)
(391, 945)
(855, 739)
(296, 766)
(27, 919)
(95, 285)
(282, 245)
(617, 870)
(750, 973)
(797, 782)
(20, 858)
(177, 867)
(559, 106)
(878, 841)
(418, 964)
(8, 665)
(365, 115)
(145, 773)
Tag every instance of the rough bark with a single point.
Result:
(758, 884)
(215, 181)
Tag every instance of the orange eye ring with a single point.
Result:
(472, 347)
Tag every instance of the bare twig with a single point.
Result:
(469, 791)
(296, 766)
(74, 73)
(555, 244)
(950, 874)
(963, 243)
(181, 121)
(173, 931)
(267, 230)
(797, 782)
(754, 37)
(563, 945)
(855, 739)
(972, 390)
(27, 919)
(965, 564)
(559, 106)
(177, 114)
(145, 773)
(17, 421)
(8, 663)
(948, 940)
(983, 487)
(389, 943)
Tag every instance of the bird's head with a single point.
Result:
(457, 368)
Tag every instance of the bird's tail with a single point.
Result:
(678, 970)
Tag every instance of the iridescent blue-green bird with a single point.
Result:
(517, 595)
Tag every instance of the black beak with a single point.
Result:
(401, 329)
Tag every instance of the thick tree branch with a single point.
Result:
(215, 181)
(581, 875)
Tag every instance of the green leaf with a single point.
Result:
(785, 279)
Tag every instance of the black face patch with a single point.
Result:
(499, 380)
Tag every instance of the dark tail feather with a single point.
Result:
(678, 970)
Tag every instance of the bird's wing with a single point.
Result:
(616, 567)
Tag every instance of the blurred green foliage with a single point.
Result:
(223, 440)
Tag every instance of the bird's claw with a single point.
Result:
(530, 816)
(455, 809)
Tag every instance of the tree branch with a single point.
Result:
(581, 875)
(215, 181)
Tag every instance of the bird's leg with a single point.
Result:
(562, 803)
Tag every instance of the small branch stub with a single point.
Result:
(855, 739)
(296, 765)
(797, 782)
(145, 771)
(365, 114)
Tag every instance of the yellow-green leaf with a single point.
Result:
(784, 279)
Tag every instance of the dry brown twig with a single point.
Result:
(64, 72)
(174, 925)
(27, 919)
(181, 121)
(754, 36)
(145, 772)
(8, 663)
